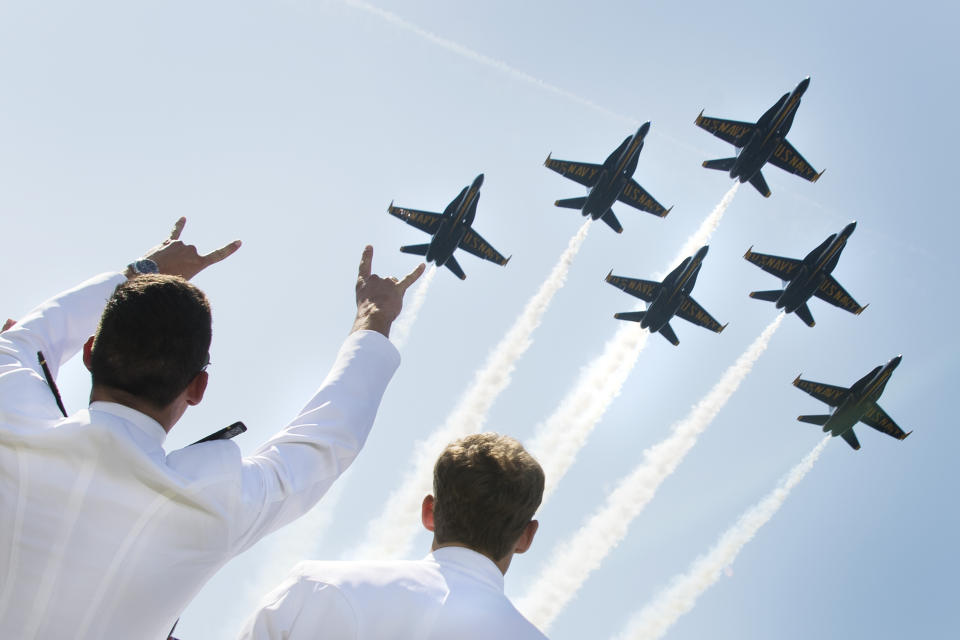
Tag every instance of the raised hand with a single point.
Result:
(173, 257)
(379, 300)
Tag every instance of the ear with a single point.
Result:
(426, 513)
(196, 388)
(526, 538)
(88, 352)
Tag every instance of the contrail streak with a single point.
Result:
(574, 560)
(563, 434)
(401, 330)
(656, 617)
(392, 533)
(475, 56)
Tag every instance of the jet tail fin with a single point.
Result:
(454, 266)
(667, 332)
(760, 184)
(571, 203)
(817, 420)
(633, 316)
(611, 220)
(770, 296)
(416, 249)
(803, 311)
(722, 164)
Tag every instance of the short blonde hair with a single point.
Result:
(486, 489)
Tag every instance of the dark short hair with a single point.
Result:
(486, 489)
(153, 338)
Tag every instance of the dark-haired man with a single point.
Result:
(486, 491)
(103, 534)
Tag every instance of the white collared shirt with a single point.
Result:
(453, 593)
(105, 535)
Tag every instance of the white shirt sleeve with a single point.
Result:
(58, 328)
(292, 470)
(302, 608)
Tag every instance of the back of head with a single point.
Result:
(153, 339)
(486, 489)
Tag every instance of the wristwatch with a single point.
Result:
(143, 265)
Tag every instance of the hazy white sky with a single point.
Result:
(292, 125)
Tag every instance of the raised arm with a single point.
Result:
(292, 470)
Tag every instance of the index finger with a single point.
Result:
(178, 228)
(366, 262)
(411, 277)
(216, 256)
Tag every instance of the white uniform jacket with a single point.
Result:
(454, 593)
(105, 535)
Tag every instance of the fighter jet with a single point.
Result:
(672, 296)
(609, 182)
(858, 403)
(450, 230)
(765, 141)
(807, 277)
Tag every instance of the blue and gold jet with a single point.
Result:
(856, 404)
(609, 182)
(765, 141)
(450, 230)
(668, 298)
(807, 278)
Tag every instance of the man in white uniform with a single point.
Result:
(102, 533)
(486, 488)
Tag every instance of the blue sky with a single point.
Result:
(291, 125)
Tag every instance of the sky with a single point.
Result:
(292, 125)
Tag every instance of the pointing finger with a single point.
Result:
(366, 262)
(411, 277)
(216, 256)
(178, 228)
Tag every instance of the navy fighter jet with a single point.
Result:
(856, 404)
(609, 182)
(765, 141)
(668, 298)
(808, 277)
(450, 230)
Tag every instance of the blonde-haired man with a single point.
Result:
(486, 491)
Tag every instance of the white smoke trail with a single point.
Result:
(563, 434)
(403, 325)
(391, 534)
(656, 617)
(474, 56)
(574, 560)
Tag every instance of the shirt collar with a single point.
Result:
(470, 562)
(151, 430)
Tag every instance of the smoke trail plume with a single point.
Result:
(574, 560)
(563, 434)
(391, 534)
(474, 56)
(401, 329)
(657, 616)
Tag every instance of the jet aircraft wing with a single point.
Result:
(423, 220)
(690, 311)
(831, 394)
(789, 159)
(583, 172)
(831, 291)
(879, 420)
(732, 131)
(646, 290)
(635, 196)
(475, 244)
(783, 268)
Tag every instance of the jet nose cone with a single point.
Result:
(847, 230)
(478, 180)
(644, 128)
(803, 84)
(896, 361)
(702, 253)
